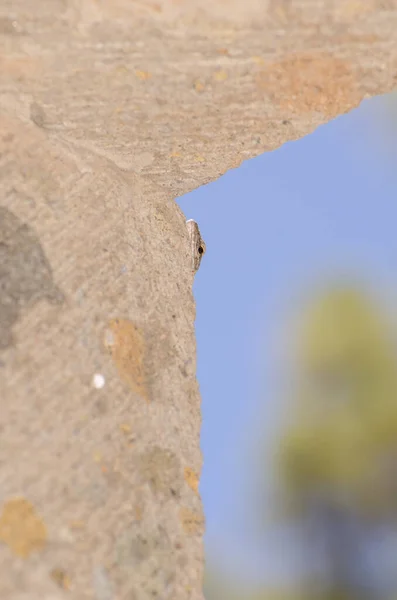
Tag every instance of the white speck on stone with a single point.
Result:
(98, 381)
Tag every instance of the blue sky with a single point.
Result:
(315, 208)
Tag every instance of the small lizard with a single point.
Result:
(197, 244)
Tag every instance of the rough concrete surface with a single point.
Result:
(110, 109)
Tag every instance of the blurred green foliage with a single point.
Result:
(342, 435)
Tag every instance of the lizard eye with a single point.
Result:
(200, 250)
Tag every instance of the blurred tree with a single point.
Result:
(337, 457)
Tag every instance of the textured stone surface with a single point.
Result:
(109, 109)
